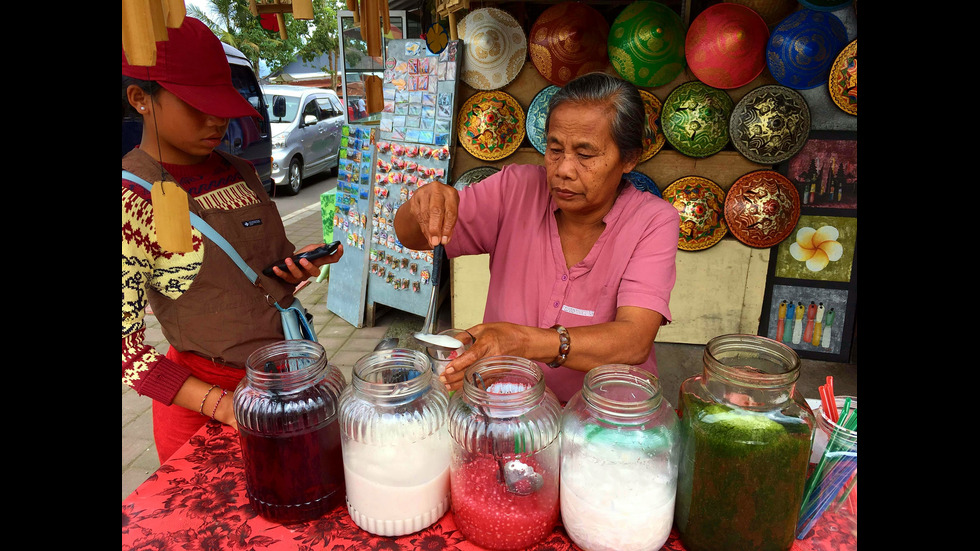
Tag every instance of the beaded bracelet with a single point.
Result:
(563, 348)
(215, 410)
(201, 409)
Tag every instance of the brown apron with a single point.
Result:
(222, 315)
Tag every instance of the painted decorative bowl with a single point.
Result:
(803, 47)
(771, 11)
(642, 182)
(653, 134)
(491, 125)
(473, 176)
(569, 40)
(701, 205)
(762, 208)
(843, 81)
(695, 119)
(770, 124)
(825, 5)
(494, 48)
(537, 115)
(646, 44)
(726, 46)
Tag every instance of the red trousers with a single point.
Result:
(174, 425)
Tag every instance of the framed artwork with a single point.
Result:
(810, 302)
(824, 171)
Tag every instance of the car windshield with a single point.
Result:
(292, 107)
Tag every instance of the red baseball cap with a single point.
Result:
(192, 65)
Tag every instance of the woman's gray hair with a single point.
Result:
(628, 123)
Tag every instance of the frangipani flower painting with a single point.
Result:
(819, 248)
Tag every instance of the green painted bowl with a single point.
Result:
(646, 44)
(695, 119)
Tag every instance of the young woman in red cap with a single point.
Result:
(211, 314)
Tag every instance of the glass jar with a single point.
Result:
(619, 453)
(504, 418)
(745, 445)
(395, 440)
(286, 408)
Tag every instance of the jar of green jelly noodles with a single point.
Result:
(745, 436)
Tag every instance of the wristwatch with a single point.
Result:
(566, 344)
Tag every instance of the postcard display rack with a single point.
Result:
(408, 149)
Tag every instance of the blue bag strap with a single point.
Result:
(207, 230)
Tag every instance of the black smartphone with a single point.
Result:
(318, 252)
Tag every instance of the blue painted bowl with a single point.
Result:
(802, 48)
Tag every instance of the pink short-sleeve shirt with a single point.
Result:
(510, 216)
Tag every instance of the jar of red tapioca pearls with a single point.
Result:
(505, 427)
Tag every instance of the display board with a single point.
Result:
(352, 223)
(412, 150)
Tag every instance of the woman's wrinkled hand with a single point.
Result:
(492, 339)
(435, 207)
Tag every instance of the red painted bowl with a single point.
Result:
(726, 46)
(569, 40)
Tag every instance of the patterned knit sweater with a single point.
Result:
(214, 184)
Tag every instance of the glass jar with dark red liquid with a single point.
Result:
(504, 425)
(286, 407)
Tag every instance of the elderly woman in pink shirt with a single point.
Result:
(578, 256)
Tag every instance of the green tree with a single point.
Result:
(235, 25)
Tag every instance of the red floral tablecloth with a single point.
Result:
(197, 500)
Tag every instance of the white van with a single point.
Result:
(306, 127)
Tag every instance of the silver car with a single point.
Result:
(306, 126)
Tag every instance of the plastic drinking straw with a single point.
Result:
(836, 467)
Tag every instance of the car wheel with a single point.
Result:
(294, 178)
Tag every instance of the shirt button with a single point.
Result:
(556, 305)
(564, 277)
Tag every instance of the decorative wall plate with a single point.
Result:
(726, 46)
(695, 119)
(491, 125)
(642, 182)
(803, 46)
(653, 134)
(494, 48)
(762, 208)
(646, 44)
(771, 11)
(473, 176)
(843, 82)
(537, 115)
(770, 124)
(569, 40)
(701, 204)
(825, 5)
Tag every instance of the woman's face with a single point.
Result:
(583, 163)
(179, 133)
